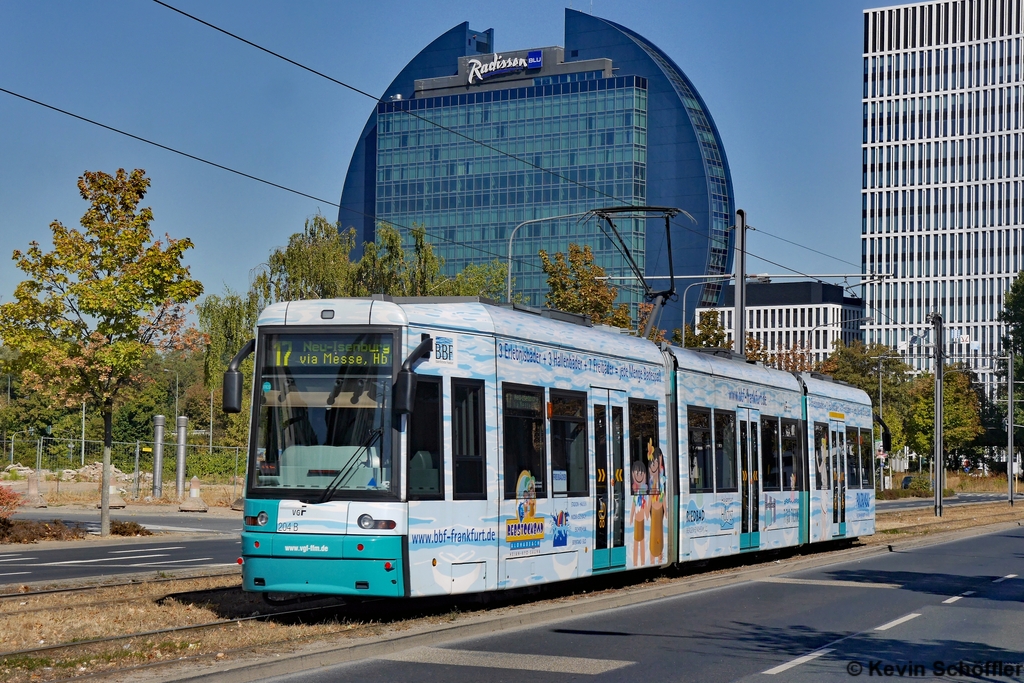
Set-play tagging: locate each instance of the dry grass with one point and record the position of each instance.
(903, 523)
(968, 484)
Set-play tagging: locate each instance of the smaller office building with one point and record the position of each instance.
(806, 316)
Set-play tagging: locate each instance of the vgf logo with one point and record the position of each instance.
(444, 350)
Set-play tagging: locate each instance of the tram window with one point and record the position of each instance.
(569, 455)
(524, 442)
(646, 462)
(725, 451)
(701, 452)
(468, 430)
(867, 462)
(821, 455)
(792, 456)
(425, 456)
(852, 459)
(771, 479)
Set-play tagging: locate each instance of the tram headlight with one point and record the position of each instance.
(367, 522)
(259, 520)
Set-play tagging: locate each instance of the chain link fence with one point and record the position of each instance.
(72, 458)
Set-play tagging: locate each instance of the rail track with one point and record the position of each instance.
(99, 586)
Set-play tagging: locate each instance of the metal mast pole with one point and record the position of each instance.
(1010, 423)
(940, 466)
(740, 288)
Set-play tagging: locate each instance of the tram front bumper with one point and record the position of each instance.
(322, 563)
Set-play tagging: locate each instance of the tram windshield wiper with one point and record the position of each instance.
(340, 477)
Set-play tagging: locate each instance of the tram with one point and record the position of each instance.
(433, 446)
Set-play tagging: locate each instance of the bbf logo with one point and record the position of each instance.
(444, 350)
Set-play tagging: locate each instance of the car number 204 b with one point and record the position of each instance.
(287, 526)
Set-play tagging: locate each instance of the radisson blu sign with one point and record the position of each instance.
(482, 70)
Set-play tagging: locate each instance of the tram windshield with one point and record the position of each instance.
(324, 415)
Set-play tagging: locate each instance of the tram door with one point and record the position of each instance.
(748, 422)
(837, 463)
(610, 494)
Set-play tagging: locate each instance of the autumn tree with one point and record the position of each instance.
(961, 412)
(576, 285)
(100, 303)
(756, 351)
(710, 332)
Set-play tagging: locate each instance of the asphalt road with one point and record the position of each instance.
(958, 499)
(931, 607)
(210, 522)
(25, 563)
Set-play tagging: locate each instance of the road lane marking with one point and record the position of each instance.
(147, 550)
(160, 527)
(18, 559)
(101, 559)
(14, 573)
(953, 599)
(897, 622)
(154, 564)
(827, 582)
(796, 662)
(1008, 576)
(501, 660)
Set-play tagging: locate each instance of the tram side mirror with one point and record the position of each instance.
(232, 402)
(405, 385)
(405, 392)
(886, 441)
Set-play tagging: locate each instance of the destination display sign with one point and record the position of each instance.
(330, 350)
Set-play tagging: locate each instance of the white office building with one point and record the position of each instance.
(942, 172)
(807, 315)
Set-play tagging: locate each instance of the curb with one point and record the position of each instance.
(332, 654)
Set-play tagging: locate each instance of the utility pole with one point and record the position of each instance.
(940, 466)
(83, 433)
(1010, 423)
(740, 288)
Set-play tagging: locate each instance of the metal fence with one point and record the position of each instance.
(134, 458)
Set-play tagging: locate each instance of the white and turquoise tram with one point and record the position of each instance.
(434, 446)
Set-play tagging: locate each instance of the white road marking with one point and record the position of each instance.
(897, 622)
(154, 564)
(18, 559)
(148, 550)
(502, 660)
(160, 527)
(826, 582)
(14, 573)
(1008, 576)
(101, 559)
(796, 662)
(953, 599)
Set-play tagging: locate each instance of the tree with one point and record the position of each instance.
(709, 334)
(858, 365)
(575, 286)
(961, 419)
(314, 265)
(95, 307)
(756, 351)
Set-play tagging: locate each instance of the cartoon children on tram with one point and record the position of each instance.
(648, 482)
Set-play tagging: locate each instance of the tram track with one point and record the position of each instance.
(100, 586)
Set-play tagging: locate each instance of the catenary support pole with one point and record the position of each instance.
(940, 466)
(1010, 423)
(740, 288)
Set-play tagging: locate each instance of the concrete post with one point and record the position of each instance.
(158, 456)
(194, 502)
(179, 479)
(34, 499)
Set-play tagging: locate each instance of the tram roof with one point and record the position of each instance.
(733, 368)
(836, 390)
(464, 314)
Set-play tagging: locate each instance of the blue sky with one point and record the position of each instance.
(782, 81)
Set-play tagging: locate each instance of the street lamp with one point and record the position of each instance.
(686, 290)
(175, 391)
(30, 430)
(508, 264)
